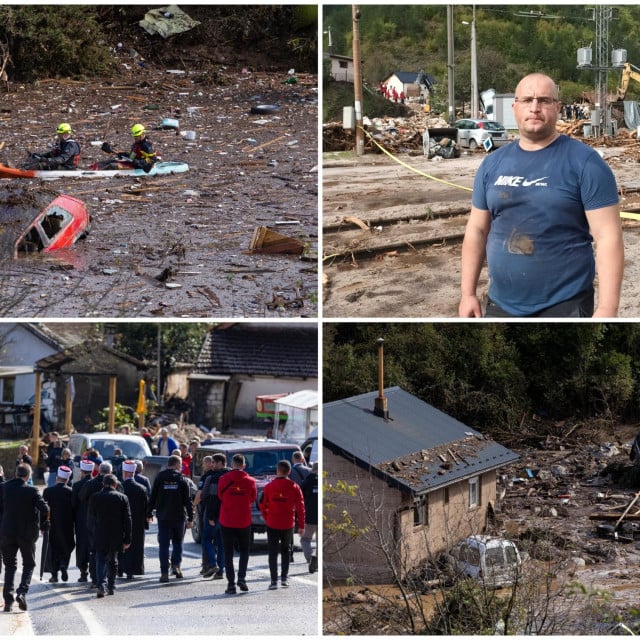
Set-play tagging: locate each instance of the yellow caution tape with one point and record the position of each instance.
(623, 214)
(408, 166)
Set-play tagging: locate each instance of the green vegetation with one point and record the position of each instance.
(77, 41)
(512, 41)
(491, 376)
(340, 94)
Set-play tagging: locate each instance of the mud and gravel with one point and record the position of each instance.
(178, 245)
(405, 261)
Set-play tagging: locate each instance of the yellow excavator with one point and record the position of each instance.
(629, 72)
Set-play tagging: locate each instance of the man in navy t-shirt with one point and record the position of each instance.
(537, 206)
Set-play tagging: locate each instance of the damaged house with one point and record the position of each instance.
(423, 482)
(240, 361)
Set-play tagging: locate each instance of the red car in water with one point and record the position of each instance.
(58, 226)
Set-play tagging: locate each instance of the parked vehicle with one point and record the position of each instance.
(493, 561)
(133, 447)
(472, 133)
(311, 441)
(261, 459)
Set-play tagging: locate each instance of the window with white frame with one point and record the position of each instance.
(474, 492)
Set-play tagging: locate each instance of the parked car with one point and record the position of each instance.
(133, 447)
(261, 459)
(472, 132)
(493, 561)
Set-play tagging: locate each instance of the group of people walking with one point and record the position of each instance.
(105, 521)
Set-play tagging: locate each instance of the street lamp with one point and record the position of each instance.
(474, 65)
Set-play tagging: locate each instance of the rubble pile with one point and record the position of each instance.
(397, 135)
(552, 499)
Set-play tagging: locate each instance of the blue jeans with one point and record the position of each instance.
(212, 542)
(106, 569)
(170, 532)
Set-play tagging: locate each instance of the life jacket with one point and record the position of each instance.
(143, 150)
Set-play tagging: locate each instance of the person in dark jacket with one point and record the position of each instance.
(132, 561)
(94, 486)
(110, 516)
(80, 509)
(64, 155)
(310, 494)
(141, 479)
(237, 492)
(171, 500)
(54, 456)
(281, 504)
(61, 533)
(23, 512)
(211, 530)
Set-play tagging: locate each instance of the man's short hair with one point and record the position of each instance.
(238, 460)
(109, 480)
(220, 457)
(207, 459)
(139, 466)
(105, 468)
(23, 470)
(174, 462)
(284, 466)
(297, 456)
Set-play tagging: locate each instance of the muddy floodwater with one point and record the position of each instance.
(176, 245)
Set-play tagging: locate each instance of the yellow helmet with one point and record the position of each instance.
(64, 128)
(137, 130)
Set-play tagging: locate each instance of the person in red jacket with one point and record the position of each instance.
(237, 492)
(281, 502)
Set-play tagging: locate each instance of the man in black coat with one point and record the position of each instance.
(171, 499)
(22, 512)
(92, 487)
(132, 561)
(80, 510)
(61, 534)
(110, 516)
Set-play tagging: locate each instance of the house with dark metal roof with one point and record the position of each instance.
(241, 361)
(423, 479)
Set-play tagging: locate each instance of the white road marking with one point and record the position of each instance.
(93, 626)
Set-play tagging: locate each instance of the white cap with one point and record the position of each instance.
(129, 466)
(86, 465)
(64, 472)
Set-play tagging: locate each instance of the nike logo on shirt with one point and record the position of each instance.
(518, 181)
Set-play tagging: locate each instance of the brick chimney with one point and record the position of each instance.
(380, 406)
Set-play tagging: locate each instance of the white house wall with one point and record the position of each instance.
(245, 409)
(20, 347)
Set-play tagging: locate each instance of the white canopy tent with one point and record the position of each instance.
(302, 415)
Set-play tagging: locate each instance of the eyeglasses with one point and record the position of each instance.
(543, 101)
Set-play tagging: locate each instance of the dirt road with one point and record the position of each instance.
(407, 264)
(175, 246)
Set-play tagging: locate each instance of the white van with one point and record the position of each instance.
(493, 561)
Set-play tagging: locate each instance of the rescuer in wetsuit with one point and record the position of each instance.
(64, 155)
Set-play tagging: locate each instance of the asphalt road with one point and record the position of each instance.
(192, 606)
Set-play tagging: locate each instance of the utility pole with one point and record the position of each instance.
(474, 67)
(357, 80)
(450, 65)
